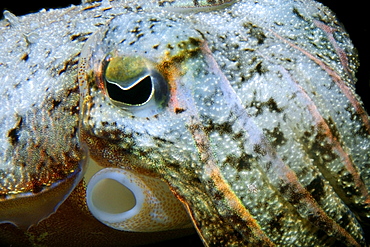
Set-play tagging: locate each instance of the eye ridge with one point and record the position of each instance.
(138, 94)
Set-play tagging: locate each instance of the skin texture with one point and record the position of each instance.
(185, 62)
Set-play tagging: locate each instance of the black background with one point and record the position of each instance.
(353, 14)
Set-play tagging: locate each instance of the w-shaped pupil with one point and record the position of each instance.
(137, 95)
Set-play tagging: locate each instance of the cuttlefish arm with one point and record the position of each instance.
(230, 208)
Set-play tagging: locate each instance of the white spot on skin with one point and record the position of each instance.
(252, 188)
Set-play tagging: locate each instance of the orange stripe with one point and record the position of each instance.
(319, 121)
(213, 172)
(283, 178)
(336, 78)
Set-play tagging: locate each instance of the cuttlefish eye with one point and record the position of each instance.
(134, 84)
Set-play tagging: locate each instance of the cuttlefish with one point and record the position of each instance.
(234, 119)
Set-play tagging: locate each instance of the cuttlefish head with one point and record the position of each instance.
(140, 114)
(167, 101)
(138, 88)
(149, 106)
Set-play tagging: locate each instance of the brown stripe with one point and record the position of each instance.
(332, 141)
(280, 175)
(340, 52)
(248, 226)
(336, 78)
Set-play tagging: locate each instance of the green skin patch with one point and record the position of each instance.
(123, 71)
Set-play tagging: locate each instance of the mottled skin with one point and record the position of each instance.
(261, 135)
